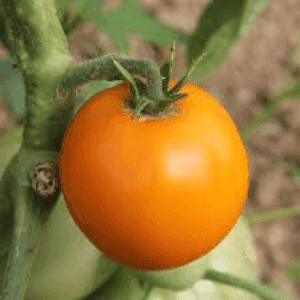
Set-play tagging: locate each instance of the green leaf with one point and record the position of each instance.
(131, 17)
(295, 172)
(81, 4)
(12, 86)
(219, 28)
(293, 270)
(62, 7)
(89, 9)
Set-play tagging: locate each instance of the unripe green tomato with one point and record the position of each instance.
(67, 266)
(179, 278)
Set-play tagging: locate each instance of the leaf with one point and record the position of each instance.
(295, 172)
(62, 7)
(219, 28)
(12, 86)
(80, 4)
(131, 17)
(293, 270)
(88, 9)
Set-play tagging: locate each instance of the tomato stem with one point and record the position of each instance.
(104, 68)
(252, 287)
(274, 215)
(149, 82)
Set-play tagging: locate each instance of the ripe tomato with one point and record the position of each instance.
(154, 193)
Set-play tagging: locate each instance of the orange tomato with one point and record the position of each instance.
(154, 193)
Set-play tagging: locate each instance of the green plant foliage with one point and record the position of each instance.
(219, 28)
(12, 86)
(131, 17)
(293, 270)
(62, 7)
(294, 169)
(89, 10)
(119, 22)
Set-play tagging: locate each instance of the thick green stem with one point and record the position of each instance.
(103, 68)
(38, 42)
(28, 211)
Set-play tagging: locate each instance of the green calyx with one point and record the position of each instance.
(149, 101)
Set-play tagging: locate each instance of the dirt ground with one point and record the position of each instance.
(256, 69)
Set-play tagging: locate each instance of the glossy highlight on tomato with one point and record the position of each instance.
(154, 193)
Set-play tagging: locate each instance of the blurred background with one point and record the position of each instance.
(266, 60)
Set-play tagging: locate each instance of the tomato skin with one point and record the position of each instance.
(154, 193)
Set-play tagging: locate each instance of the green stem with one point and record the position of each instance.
(275, 215)
(40, 46)
(28, 212)
(103, 68)
(292, 91)
(37, 41)
(253, 287)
